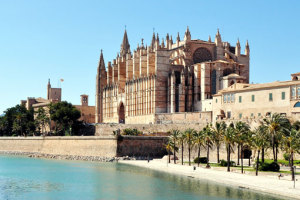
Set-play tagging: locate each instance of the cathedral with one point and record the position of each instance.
(167, 78)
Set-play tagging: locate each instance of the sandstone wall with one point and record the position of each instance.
(142, 146)
(81, 146)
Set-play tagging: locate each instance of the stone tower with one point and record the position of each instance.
(100, 83)
(48, 89)
(84, 100)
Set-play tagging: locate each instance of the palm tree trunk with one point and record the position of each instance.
(174, 152)
(228, 158)
(238, 156)
(218, 153)
(182, 153)
(273, 147)
(207, 164)
(292, 168)
(276, 148)
(249, 163)
(169, 156)
(263, 155)
(199, 146)
(257, 162)
(189, 154)
(242, 158)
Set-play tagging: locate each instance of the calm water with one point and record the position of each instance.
(27, 178)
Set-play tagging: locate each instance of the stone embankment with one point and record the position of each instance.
(66, 157)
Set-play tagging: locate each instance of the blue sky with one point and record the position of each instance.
(55, 39)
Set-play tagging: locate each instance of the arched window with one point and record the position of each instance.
(297, 105)
(201, 55)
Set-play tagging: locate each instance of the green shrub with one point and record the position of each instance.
(286, 156)
(224, 163)
(200, 160)
(273, 166)
(129, 131)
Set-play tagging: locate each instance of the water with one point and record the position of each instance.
(28, 178)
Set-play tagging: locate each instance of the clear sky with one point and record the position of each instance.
(57, 39)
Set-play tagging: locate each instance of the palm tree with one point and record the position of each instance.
(175, 137)
(242, 137)
(229, 138)
(218, 136)
(189, 133)
(276, 125)
(169, 148)
(199, 141)
(42, 119)
(208, 140)
(258, 143)
(291, 145)
(181, 139)
(265, 139)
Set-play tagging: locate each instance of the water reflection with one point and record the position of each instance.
(25, 178)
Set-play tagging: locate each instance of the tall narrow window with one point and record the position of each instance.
(283, 95)
(293, 92)
(253, 98)
(270, 97)
(240, 115)
(240, 99)
(298, 91)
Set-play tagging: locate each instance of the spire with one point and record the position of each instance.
(209, 38)
(162, 43)
(167, 41)
(101, 62)
(187, 35)
(157, 42)
(153, 41)
(171, 40)
(125, 46)
(218, 39)
(142, 43)
(238, 48)
(178, 39)
(247, 49)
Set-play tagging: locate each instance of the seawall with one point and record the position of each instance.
(86, 146)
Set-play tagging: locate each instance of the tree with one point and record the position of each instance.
(17, 121)
(199, 141)
(218, 136)
(291, 144)
(181, 139)
(242, 136)
(276, 125)
(169, 148)
(65, 115)
(258, 143)
(208, 141)
(229, 139)
(175, 134)
(42, 119)
(189, 133)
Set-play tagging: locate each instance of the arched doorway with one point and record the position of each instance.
(121, 113)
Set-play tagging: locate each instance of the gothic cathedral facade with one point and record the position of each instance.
(166, 78)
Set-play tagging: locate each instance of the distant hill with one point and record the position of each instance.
(2, 115)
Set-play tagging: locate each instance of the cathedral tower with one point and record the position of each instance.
(100, 83)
